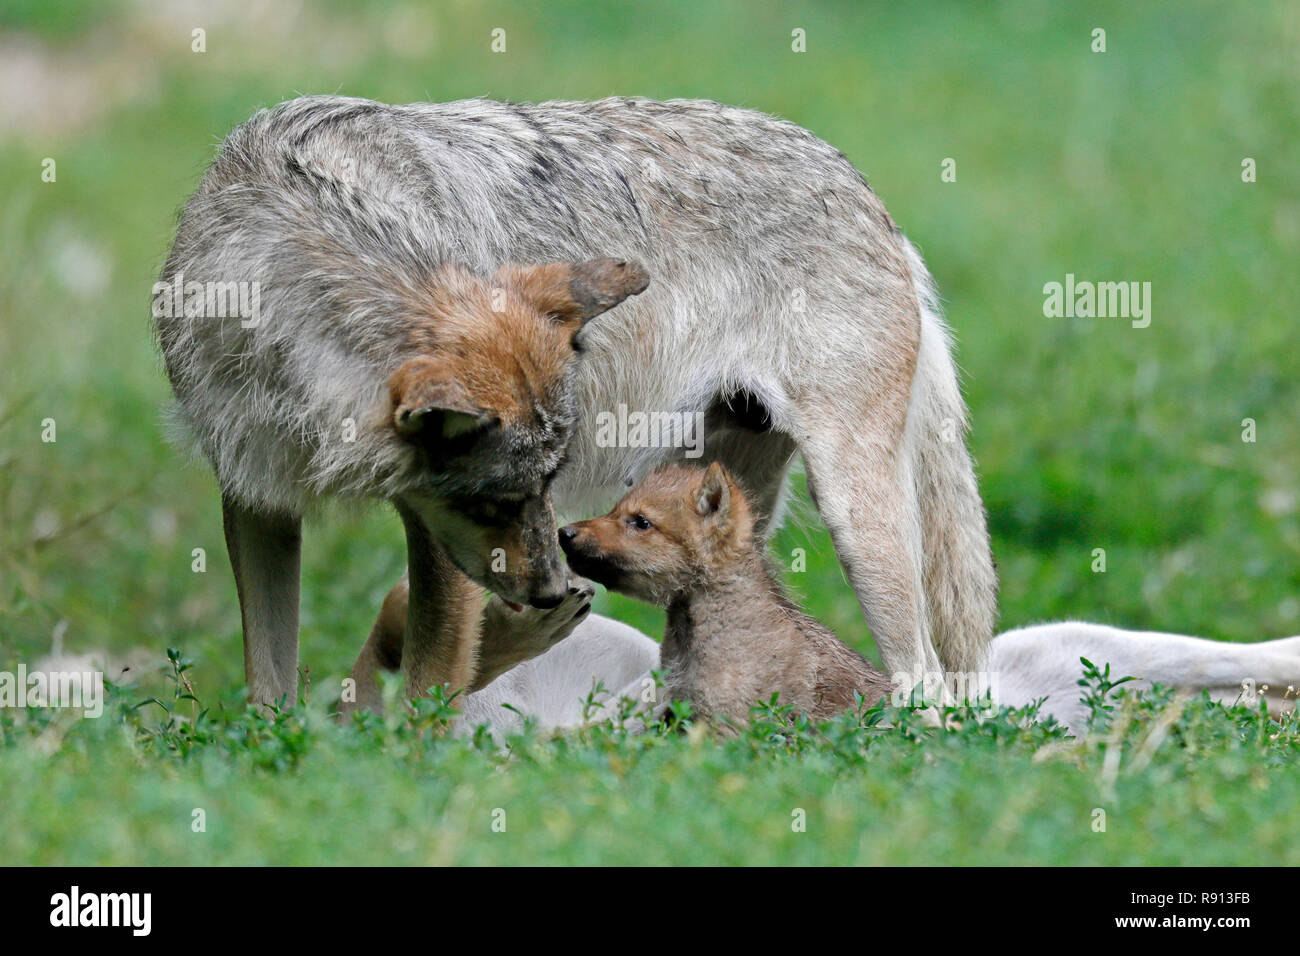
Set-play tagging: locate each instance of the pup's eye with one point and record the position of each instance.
(640, 522)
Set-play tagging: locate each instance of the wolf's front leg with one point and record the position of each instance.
(441, 635)
(265, 551)
(434, 628)
(505, 640)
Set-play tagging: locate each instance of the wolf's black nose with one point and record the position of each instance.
(568, 533)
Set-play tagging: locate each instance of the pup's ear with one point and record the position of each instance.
(429, 403)
(713, 497)
(576, 292)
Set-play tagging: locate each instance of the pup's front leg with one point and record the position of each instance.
(506, 639)
(511, 636)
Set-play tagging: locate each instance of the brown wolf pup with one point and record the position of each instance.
(685, 539)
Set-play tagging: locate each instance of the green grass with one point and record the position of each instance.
(1157, 780)
(1089, 433)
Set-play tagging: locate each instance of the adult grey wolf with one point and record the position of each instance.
(787, 308)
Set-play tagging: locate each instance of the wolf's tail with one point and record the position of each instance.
(960, 583)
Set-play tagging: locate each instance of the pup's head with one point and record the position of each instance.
(671, 533)
(488, 408)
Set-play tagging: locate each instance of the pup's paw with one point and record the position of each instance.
(532, 631)
(511, 637)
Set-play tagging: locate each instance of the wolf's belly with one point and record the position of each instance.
(634, 413)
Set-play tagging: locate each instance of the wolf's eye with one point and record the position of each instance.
(640, 522)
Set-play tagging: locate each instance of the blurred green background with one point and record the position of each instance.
(1122, 165)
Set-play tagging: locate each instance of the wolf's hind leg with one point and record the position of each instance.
(265, 554)
(860, 483)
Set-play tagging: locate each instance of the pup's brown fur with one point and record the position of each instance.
(684, 538)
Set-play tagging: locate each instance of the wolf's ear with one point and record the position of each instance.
(429, 403)
(576, 292)
(713, 497)
(598, 285)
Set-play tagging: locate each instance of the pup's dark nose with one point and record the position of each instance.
(545, 602)
(567, 534)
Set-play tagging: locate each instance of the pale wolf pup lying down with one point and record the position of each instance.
(685, 539)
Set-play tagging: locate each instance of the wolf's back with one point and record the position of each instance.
(339, 209)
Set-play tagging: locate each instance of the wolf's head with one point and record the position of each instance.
(673, 532)
(488, 405)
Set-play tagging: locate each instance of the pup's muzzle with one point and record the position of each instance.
(586, 558)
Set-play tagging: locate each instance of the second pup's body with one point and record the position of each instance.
(684, 538)
(1028, 664)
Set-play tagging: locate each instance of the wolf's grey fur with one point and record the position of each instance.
(777, 274)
